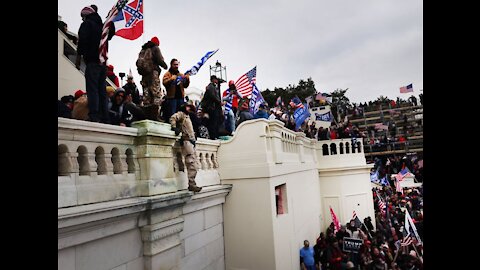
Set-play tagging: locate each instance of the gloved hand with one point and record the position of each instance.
(193, 142)
(177, 130)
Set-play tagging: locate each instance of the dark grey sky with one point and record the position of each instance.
(371, 47)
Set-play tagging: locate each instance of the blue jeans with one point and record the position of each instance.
(95, 76)
(173, 106)
(230, 121)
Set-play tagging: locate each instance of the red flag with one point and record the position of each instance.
(129, 21)
(335, 220)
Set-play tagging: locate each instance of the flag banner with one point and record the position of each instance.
(384, 181)
(244, 83)
(300, 114)
(129, 21)
(374, 177)
(194, 70)
(103, 46)
(406, 89)
(335, 221)
(402, 174)
(327, 117)
(352, 244)
(256, 100)
(409, 225)
(381, 205)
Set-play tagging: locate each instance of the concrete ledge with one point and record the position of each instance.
(73, 124)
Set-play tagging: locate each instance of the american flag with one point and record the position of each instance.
(296, 103)
(381, 205)
(244, 83)
(335, 220)
(103, 47)
(406, 89)
(404, 172)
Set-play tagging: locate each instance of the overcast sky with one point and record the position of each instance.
(371, 47)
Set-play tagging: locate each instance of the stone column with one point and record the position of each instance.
(155, 157)
(161, 230)
(276, 138)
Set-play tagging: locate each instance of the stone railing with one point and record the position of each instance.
(98, 162)
(340, 153)
(207, 163)
(260, 145)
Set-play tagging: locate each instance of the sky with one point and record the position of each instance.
(371, 47)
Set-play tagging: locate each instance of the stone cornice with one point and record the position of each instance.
(345, 170)
(168, 200)
(73, 124)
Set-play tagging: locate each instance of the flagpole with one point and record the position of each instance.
(144, 33)
(419, 256)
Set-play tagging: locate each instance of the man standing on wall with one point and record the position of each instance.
(181, 122)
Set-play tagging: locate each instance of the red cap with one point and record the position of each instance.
(155, 40)
(231, 82)
(79, 93)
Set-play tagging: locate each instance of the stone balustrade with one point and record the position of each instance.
(259, 142)
(98, 162)
(340, 153)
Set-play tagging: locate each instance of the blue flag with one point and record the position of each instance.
(384, 181)
(374, 177)
(256, 99)
(300, 114)
(194, 70)
(328, 117)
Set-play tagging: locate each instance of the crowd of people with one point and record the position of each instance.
(386, 246)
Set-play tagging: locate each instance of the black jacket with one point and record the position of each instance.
(89, 36)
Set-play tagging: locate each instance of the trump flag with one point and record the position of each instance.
(129, 21)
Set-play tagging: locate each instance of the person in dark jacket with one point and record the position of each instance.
(123, 111)
(131, 89)
(212, 104)
(261, 113)
(89, 35)
(65, 106)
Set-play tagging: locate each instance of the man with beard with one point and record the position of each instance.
(175, 83)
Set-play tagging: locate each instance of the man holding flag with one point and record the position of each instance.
(90, 38)
(175, 91)
(301, 112)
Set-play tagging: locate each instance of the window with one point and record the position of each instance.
(281, 199)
